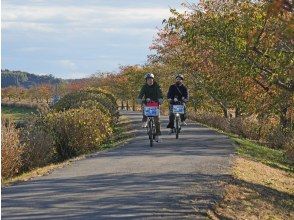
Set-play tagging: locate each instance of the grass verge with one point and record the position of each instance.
(260, 187)
(265, 155)
(256, 191)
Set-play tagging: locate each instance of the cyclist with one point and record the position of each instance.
(151, 91)
(177, 92)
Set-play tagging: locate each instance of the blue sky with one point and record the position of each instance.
(76, 38)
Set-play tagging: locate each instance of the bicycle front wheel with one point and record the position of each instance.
(150, 126)
(177, 127)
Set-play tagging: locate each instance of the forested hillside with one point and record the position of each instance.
(24, 79)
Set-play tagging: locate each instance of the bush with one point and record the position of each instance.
(278, 137)
(212, 120)
(77, 131)
(246, 127)
(265, 132)
(289, 148)
(77, 99)
(109, 95)
(11, 149)
(38, 145)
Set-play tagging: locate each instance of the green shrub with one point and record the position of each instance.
(109, 95)
(77, 99)
(77, 131)
(38, 145)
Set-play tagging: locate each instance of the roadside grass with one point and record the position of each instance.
(118, 139)
(261, 185)
(271, 157)
(17, 113)
(256, 191)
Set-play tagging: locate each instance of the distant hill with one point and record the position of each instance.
(24, 79)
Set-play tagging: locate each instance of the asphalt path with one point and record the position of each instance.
(175, 179)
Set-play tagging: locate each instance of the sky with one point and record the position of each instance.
(77, 38)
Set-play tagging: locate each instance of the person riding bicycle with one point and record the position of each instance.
(177, 92)
(151, 91)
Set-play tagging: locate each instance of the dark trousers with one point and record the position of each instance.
(172, 117)
(157, 123)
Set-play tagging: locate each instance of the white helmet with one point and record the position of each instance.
(149, 75)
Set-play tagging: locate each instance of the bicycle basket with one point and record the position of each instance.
(178, 109)
(151, 111)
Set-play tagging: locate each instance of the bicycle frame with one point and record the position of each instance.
(151, 131)
(151, 111)
(177, 113)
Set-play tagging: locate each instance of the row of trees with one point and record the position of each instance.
(235, 55)
(42, 92)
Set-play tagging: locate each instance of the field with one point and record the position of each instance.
(17, 113)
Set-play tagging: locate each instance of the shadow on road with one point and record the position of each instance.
(112, 196)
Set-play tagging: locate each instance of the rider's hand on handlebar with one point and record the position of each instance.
(160, 101)
(148, 100)
(175, 99)
(139, 101)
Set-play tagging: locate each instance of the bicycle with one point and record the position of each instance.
(178, 110)
(151, 110)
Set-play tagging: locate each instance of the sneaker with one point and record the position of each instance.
(157, 139)
(171, 131)
(183, 123)
(144, 125)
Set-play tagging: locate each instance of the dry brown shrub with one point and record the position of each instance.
(11, 149)
(247, 127)
(212, 120)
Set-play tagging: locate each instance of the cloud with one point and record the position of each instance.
(68, 64)
(63, 37)
(75, 18)
(27, 26)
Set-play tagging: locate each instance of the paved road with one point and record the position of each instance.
(176, 179)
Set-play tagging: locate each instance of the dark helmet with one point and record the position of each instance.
(180, 76)
(149, 75)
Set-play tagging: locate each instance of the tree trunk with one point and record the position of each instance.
(225, 111)
(237, 112)
(122, 105)
(284, 120)
(134, 105)
(128, 107)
